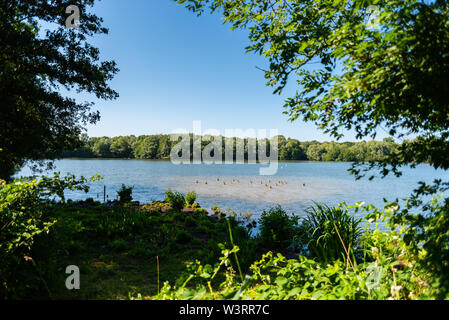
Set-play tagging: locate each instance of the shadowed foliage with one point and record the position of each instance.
(39, 56)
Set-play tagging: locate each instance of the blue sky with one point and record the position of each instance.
(176, 68)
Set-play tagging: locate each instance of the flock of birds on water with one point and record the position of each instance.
(268, 184)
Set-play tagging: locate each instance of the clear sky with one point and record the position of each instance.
(176, 68)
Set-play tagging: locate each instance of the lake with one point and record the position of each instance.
(239, 186)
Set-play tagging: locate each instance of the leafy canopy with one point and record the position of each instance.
(356, 68)
(40, 59)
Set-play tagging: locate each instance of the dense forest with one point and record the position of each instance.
(159, 146)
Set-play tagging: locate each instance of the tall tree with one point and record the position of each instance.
(37, 120)
(360, 65)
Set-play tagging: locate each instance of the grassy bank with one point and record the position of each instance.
(119, 249)
(174, 249)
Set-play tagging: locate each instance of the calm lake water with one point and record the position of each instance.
(240, 187)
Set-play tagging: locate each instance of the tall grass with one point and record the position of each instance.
(329, 233)
(235, 253)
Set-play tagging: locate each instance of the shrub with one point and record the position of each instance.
(200, 211)
(190, 221)
(175, 199)
(183, 237)
(277, 228)
(328, 232)
(21, 224)
(275, 277)
(390, 268)
(218, 211)
(119, 244)
(56, 185)
(125, 194)
(424, 221)
(191, 197)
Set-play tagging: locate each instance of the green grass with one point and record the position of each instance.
(117, 249)
(126, 252)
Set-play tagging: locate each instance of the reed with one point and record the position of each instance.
(329, 233)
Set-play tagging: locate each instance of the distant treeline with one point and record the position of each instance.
(159, 146)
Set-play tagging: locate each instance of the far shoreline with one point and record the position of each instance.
(168, 160)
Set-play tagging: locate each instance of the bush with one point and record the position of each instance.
(183, 237)
(328, 232)
(125, 194)
(190, 221)
(56, 185)
(21, 224)
(191, 197)
(218, 211)
(388, 270)
(277, 228)
(119, 244)
(275, 277)
(175, 199)
(424, 220)
(200, 211)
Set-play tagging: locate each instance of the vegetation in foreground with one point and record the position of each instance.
(161, 250)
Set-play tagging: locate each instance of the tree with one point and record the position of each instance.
(292, 151)
(102, 148)
(315, 152)
(121, 148)
(147, 148)
(332, 152)
(83, 151)
(37, 121)
(164, 147)
(356, 71)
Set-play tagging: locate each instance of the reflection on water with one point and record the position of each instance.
(240, 187)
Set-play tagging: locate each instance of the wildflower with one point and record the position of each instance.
(395, 289)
